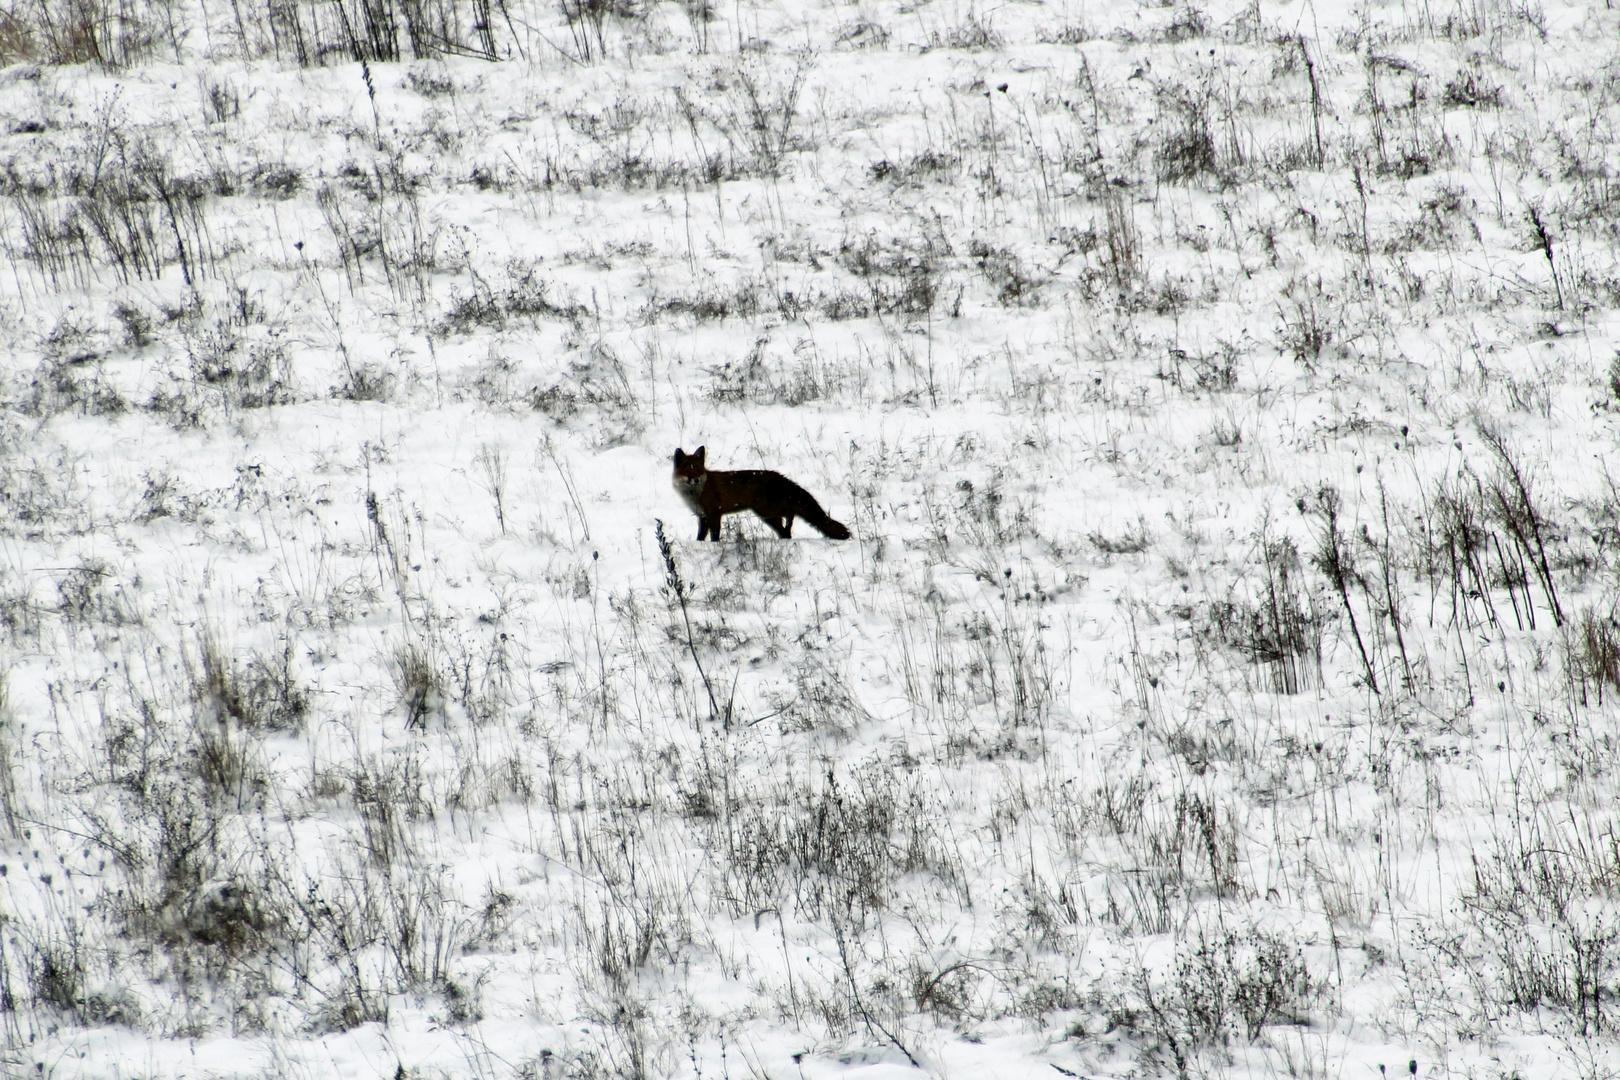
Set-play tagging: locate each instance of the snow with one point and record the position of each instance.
(355, 722)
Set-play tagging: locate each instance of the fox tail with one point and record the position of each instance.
(832, 530)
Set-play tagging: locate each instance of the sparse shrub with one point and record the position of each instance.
(137, 325)
(1071, 33)
(71, 379)
(390, 795)
(1460, 537)
(742, 301)
(1186, 23)
(479, 678)
(1009, 671)
(861, 34)
(225, 762)
(490, 468)
(984, 516)
(902, 276)
(618, 134)
(277, 181)
(929, 165)
(1336, 561)
(1279, 630)
(365, 382)
(1014, 285)
(1444, 219)
(143, 217)
(1122, 243)
(1166, 297)
(617, 945)
(263, 696)
(10, 799)
(242, 372)
(1185, 846)
(946, 993)
(376, 217)
(973, 31)
(59, 978)
(1285, 634)
(792, 382)
(462, 1001)
(72, 342)
(1215, 372)
(834, 852)
(587, 23)
(234, 917)
(594, 387)
(1542, 894)
(221, 101)
(182, 411)
(430, 80)
(1130, 542)
(1469, 90)
(419, 684)
(16, 39)
(1512, 502)
(377, 928)
(55, 238)
(741, 380)
(374, 31)
(352, 1002)
(199, 902)
(822, 698)
(116, 33)
(1305, 331)
(1595, 652)
(678, 594)
(21, 616)
(85, 598)
(494, 919)
(524, 295)
(756, 108)
(1187, 152)
(43, 497)
(1222, 989)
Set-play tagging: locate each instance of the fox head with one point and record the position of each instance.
(690, 465)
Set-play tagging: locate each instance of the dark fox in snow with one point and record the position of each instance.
(775, 498)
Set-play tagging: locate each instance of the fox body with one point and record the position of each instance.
(775, 498)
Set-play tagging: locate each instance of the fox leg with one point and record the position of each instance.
(780, 527)
(713, 525)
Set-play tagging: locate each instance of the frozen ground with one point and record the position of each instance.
(1221, 680)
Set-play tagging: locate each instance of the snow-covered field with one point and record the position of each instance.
(1222, 678)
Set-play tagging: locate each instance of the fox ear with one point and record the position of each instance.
(697, 455)
(679, 455)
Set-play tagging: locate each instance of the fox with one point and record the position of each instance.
(777, 500)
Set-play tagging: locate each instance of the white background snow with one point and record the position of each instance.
(1221, 679)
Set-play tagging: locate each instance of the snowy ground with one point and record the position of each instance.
(1221, 680)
